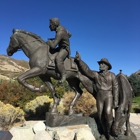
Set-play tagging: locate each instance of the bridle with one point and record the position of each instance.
(18, 47)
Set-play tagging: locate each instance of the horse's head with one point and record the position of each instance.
(13, 45)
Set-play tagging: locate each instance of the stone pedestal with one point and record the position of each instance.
(59, 120)
(5, 135)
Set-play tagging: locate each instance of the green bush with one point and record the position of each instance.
(17, 95)
(135, 109)
(134, 80)
(136, 105)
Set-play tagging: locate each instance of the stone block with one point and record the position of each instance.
(5, 135)
(39, 126)
(42, 135)
(64, 135)
(84, 134)
(22, 133)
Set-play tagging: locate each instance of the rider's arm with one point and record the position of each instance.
(57, 39)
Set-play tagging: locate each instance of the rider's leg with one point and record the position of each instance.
(60, 64)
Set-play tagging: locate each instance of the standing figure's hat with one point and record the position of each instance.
(104, 60)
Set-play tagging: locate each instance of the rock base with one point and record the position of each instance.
(59, 120)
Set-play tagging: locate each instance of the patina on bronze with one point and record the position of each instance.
(62, 40)
(112, 92)
(41, 61)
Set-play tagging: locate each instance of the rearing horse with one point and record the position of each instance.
(40, 56)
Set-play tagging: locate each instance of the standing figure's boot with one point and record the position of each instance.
(62, 72)
(109, 136)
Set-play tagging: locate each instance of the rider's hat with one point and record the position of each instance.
(104, 60)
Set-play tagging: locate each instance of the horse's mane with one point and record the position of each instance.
(31, 34)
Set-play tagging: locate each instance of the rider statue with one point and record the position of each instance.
(107, 91)
(62, 40)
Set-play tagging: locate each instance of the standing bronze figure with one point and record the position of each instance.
(107, 92)
(62, 40)
(112, 92)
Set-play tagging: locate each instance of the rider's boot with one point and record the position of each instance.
(63, 78)
(62, 72)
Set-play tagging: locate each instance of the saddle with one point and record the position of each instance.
(69, 63)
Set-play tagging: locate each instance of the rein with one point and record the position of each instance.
(20, 45)
(29, 42)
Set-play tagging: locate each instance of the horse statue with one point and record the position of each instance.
(42, 64)
(122, 113)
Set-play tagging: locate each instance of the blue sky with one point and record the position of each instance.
(99, 28)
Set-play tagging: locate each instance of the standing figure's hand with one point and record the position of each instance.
(115, 104)
(77, 56)
(49, 42)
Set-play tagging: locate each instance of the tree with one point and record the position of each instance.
(134, 80)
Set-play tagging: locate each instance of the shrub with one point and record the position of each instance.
(10, 116)
(17, 95)
(86, 104)
(38, 107)
(135, 109)
(134, 80)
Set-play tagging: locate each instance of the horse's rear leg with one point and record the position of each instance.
(74, 84)
(49, 84)
(36, 71)
(128, 129)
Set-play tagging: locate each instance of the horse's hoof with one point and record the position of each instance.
(71, 112)
(128, 133)
(42, 88)
(53, 110)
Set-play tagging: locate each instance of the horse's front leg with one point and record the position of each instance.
(49, 84)
(74, 84)
(29, 74)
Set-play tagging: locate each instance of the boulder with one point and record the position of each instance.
(64, 135)
(22, 133)
(84, 134)
(39, 126)
(42, 135)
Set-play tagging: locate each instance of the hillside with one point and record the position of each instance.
(11, 68)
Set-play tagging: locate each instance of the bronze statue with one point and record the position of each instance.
(62, 40)
(107, 91)
(41, 61)
(111, 91)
